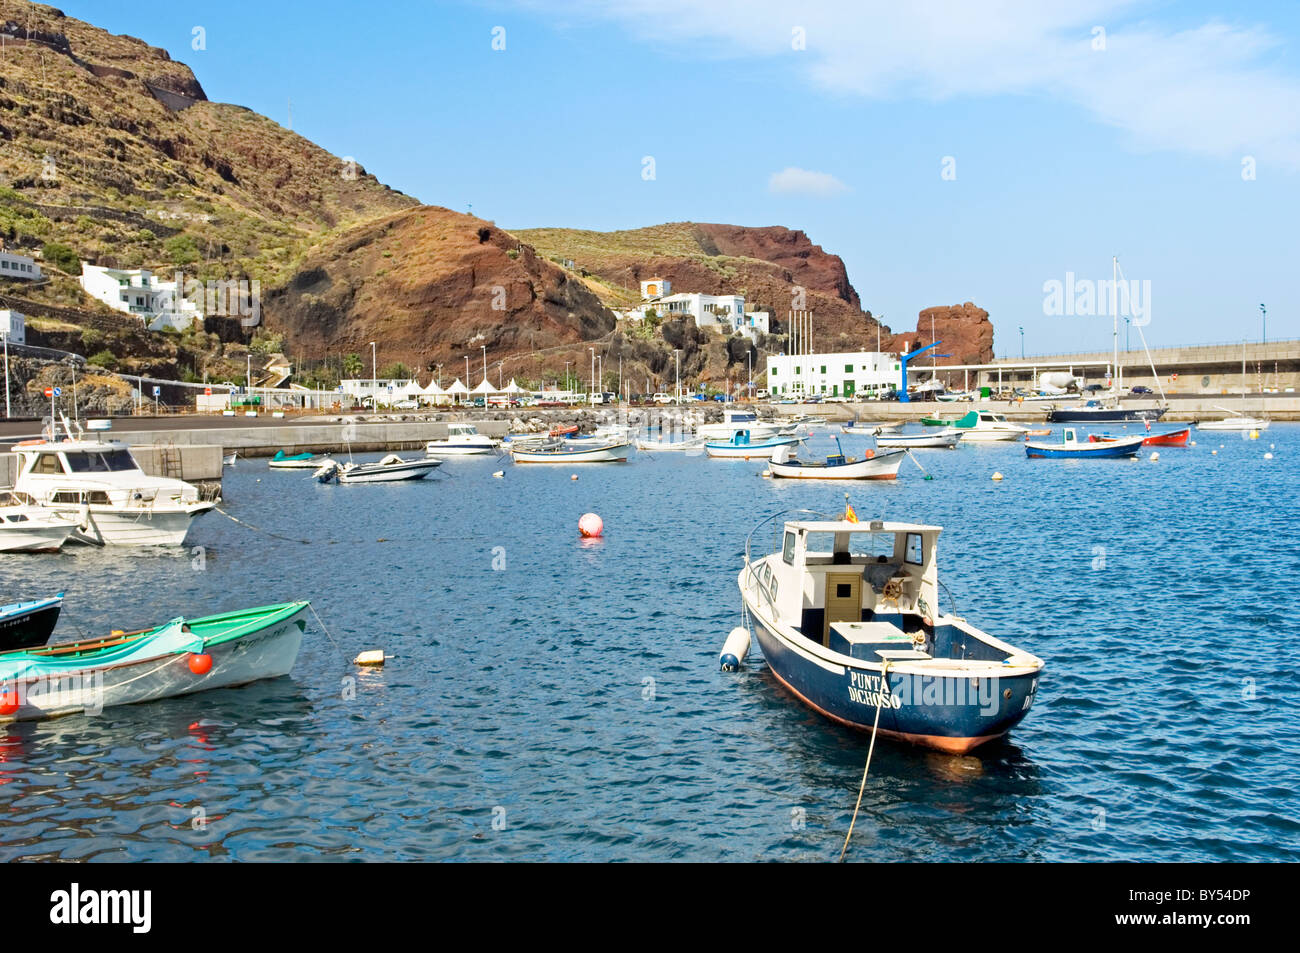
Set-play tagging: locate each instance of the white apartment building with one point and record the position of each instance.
(18, 266)
(833, 374)
(158, 304)
(723, 313)
(13, 327)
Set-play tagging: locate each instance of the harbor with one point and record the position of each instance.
(658, 716)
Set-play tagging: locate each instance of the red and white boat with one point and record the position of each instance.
(1170, 438)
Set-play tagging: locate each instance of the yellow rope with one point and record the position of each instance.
(880, 698)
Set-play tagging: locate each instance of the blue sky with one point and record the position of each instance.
(1065, 152)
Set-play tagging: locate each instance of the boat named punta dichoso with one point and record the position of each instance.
(846, 614)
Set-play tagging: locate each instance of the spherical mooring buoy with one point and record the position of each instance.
(590, 526)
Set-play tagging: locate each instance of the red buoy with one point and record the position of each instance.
(590, 526)
(8, 701)
(200, 663)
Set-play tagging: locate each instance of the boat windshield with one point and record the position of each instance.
(106, 461)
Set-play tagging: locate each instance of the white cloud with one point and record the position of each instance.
(795, 181)
(1208, 89)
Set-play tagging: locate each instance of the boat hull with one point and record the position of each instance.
(388, 473)
(113, 526)
(919, 441)
(1233, 424)
(30, 624)
(1079, 415)
(436, 449)
(1174, 438)
(882, 466)
(991, 436)
(943, 712)
(615, 453)
(35, 537)
(1085, 451)
(751, 451)
(269, 652)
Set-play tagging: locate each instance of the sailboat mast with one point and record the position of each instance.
(1114, 310)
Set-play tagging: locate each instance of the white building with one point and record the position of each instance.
(655, 288)
(159, 304)
(18, 266)
(723, 313)
(389, 391)
(833, 375)
(13, 327)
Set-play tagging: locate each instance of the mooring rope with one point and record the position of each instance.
(880, 699)
(324, 628)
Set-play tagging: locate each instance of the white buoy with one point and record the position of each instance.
(372, 657)
(1155, 456)
(1268, 456)
(1193, 443)
(499, 474)
(997, 475)
(1214, 453)
(734, 649)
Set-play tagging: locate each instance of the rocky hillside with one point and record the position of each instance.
(768, 265)
(112, 148)
(431, 286)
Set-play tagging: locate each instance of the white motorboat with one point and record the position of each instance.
(570, 451)
(985, 426)
(858, 428)
(27, 528)
(391, 469)
(100, 488)
(461, 440)
(873, 466)
(734, 419)
(297, 461)
(946, 438)
(741, 447)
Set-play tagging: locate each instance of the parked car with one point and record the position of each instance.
(1093, 388)
(662, 398)
(1140, 389)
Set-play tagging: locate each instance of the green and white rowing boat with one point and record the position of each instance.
(179, 657)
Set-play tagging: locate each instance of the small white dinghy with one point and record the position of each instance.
(947, 438)
(390, 469)
(874, 466)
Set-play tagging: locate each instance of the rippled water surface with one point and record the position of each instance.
(569, 705)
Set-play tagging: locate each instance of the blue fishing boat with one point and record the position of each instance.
(1071, 446)
(25, 624)
(742, 445)
(296, 461)
(847, 616)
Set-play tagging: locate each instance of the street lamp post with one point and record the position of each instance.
(6, 334)
(1022, 344)
(484, 347)
(591, 393)
(1263, 317)
(566, 375)
(374, 376)
(678, 355)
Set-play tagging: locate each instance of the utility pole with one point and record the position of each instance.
(1263, 317)
(6, 333)
(484, 348)
(591, 393)
(678, 355)
(1022, 343)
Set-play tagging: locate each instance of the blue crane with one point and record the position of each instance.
(903, 359)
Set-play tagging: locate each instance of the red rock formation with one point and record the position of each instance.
(964, 329)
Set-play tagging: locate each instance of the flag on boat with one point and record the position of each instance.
(849, 515)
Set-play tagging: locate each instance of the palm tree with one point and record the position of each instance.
(352, 365)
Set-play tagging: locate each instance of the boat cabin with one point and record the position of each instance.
(828, 572)
(98, 472)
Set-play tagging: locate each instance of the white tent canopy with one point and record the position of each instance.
(433, 390)
(513, 388)
(457, 388)
(485, 388)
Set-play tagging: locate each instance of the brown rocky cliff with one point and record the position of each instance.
(964, 329)
(432, 286)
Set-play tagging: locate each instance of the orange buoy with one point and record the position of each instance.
(590, 526)
(8, 701)
(200, 663)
